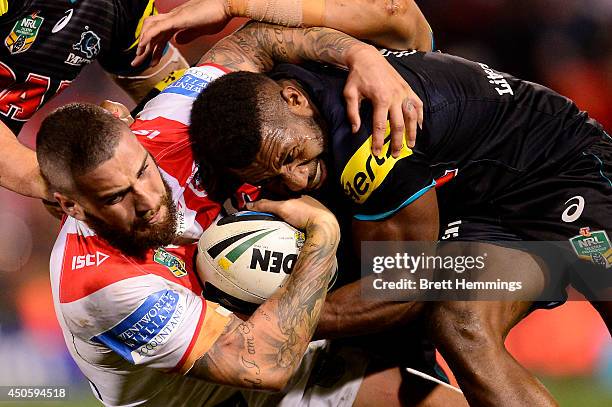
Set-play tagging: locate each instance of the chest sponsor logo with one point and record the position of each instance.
(593, 246)
(24, 34)
(87, 49)
(88, 260)
(364, 172)
(62, 22)
(142, 333)
(193, 81)
(173, 263)
(500, 84)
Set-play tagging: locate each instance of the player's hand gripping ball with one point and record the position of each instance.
(245, 257)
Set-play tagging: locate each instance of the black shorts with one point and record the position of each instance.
(568, 206)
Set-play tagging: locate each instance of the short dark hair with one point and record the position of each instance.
(74, 139)
(227, 120)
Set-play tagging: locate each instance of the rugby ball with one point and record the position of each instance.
(245, 257)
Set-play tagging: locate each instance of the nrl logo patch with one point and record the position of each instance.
(593, 246)
(300, 238)
(24, 34)
(174, 264)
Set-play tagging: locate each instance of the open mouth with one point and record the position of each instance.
(320, 175)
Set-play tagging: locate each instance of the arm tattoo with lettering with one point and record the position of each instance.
(273, 341)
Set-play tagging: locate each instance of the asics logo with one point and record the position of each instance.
(573, 212)
(62, 22)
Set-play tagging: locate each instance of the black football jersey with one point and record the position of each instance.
(45, 44)
(484, 133)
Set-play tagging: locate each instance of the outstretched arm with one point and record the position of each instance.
(19, 170)
(397, 24)
(256, 47)
(264, 352)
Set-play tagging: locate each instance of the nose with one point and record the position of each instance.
(145, 199)
(296, 178)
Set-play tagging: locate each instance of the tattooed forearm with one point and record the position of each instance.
(256, 47)
(299, 306)
(265, 351)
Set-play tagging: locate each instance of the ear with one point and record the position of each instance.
(70, 206)
(297, 100)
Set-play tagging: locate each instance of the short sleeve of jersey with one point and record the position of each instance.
(147, 321)
(130, 14)
(381, 186)
(149, 313)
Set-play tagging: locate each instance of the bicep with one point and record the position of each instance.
(417, 221)
(239, 51)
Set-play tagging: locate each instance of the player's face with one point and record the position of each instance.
(126, 201)
(290, 159)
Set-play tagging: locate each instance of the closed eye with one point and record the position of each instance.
(289, 159)
(142, 171)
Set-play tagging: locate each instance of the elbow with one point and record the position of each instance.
(276, 380)
(279, 385)
(412, 31)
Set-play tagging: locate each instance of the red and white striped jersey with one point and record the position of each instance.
(134, 326)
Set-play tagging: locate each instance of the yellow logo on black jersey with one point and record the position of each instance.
(149, 11)
(364, 172)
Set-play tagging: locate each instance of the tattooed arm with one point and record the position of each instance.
(256, 47)
(264, 351)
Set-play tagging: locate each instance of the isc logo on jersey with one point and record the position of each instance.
(88, 260)
(364, 172)
(144, 332)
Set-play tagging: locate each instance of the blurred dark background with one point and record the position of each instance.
(564, 44)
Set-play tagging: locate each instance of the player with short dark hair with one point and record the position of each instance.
(64, 150)
(136, 315)
(129, 302)
(500, 161)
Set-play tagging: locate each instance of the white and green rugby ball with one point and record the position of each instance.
(245, 257)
